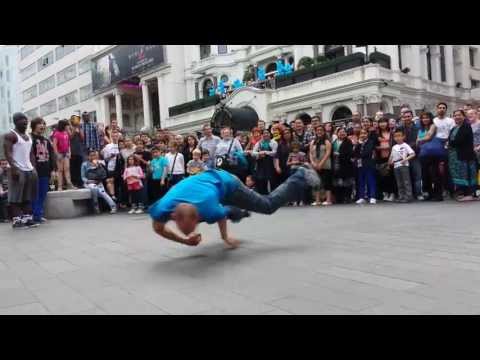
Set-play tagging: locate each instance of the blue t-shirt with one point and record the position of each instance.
(158, 165)
(205, 191)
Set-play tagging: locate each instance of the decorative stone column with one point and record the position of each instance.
(396, 106)
(162, 101)
(374, 102)
(147, 113)
(360, 103)
(435, 60)
(118, 107)
(449, 65)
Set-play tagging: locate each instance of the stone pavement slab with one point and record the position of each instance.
(420, 258)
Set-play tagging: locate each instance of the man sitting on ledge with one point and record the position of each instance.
(215, 196)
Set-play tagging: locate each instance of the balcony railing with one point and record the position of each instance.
(193, 105)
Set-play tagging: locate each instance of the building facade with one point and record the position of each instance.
(138, 85)
(10, 100)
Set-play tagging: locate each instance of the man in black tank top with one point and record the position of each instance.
(22, 177)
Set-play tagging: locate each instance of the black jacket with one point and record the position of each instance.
(365, 152)
(463, 142)
(45, 161)
(411, 134)
(345, 155)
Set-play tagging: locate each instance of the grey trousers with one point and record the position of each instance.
(404, 184)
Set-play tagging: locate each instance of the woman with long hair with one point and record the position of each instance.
(385, 178)
(191, 143)
(461, 158)
(61, 146)
(473, 118)
(320, 158)
(430, 162)
(283, 151)
(343, 173)
(264, 152)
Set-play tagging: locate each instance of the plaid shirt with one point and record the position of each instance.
(92, 138)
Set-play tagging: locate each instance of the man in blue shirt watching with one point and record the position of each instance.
(215, 196)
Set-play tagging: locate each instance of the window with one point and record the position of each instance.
(9, 107)
(8, 75)
(205, 51)
(429, 63)
(26, 50)
(8, 93)
(443, 72)
(85, 92)
(29, 71)
(1, 74)
(6, 60)
(30, 93)
(47, 84)
(472, 53)
(475, 83)
(224, 78)
(68, 100)
(2, 93)
(63, 50)
(222, 49)
(399, 49)
(33, 113)
(66, 74)
(45, 61)
(84, 66)
(48, 108)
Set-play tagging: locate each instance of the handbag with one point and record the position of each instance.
(97, 174)
(435, 148)
(224, 162)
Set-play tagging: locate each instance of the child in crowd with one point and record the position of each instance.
(133, 176)
(196, 165)
(61, 145)
(205, 157)
(159, 171)
(296, 158)
(364, 155)
(3, 191)
(94, 172)
(250, 182)
(401, 154)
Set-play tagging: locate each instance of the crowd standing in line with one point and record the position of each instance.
(365, 160)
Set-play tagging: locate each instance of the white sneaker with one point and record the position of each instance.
(139, 211)
(389, 198)
(360, 201)
(113, 211)
(373, 201)
(132, 211)
(420, 198)
(477, 193)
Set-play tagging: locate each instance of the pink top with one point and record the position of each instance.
(135, 171)
(63, 141)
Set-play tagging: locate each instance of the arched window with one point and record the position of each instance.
(205, 51)
(224, 78)
(271, 67)
(207, 84)
(341, 113)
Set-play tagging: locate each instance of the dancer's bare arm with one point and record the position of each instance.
(163, 230)
(222, 226)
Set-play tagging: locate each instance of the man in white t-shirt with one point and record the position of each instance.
(443, 123)
(110, 153)
(399, 157)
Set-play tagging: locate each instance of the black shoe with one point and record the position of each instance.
(31, 224)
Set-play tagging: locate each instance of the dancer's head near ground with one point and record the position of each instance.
(186, 217)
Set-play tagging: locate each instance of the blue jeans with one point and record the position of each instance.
(366, 177)
(416, 175)
(39, 202)
(247, 199)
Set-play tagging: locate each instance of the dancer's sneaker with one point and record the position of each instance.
(139, 211)
(18, 224)
(132, 211)
(360, 201)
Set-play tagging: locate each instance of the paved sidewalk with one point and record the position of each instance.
(421, 258)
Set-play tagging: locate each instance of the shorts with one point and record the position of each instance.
(24, 189)
(326, 177)
(62, 156)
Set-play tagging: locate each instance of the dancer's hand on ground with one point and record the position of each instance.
(231, 243)
(193, 239)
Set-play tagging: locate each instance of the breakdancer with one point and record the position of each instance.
(215, 196)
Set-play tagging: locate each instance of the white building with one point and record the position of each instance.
(56, 81)
(10, 101)
(144, 86)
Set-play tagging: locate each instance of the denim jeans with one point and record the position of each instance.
(416, 175)
(247, 199)
(404, 185)
(39, 202)
(99, 191)
(366, 178)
